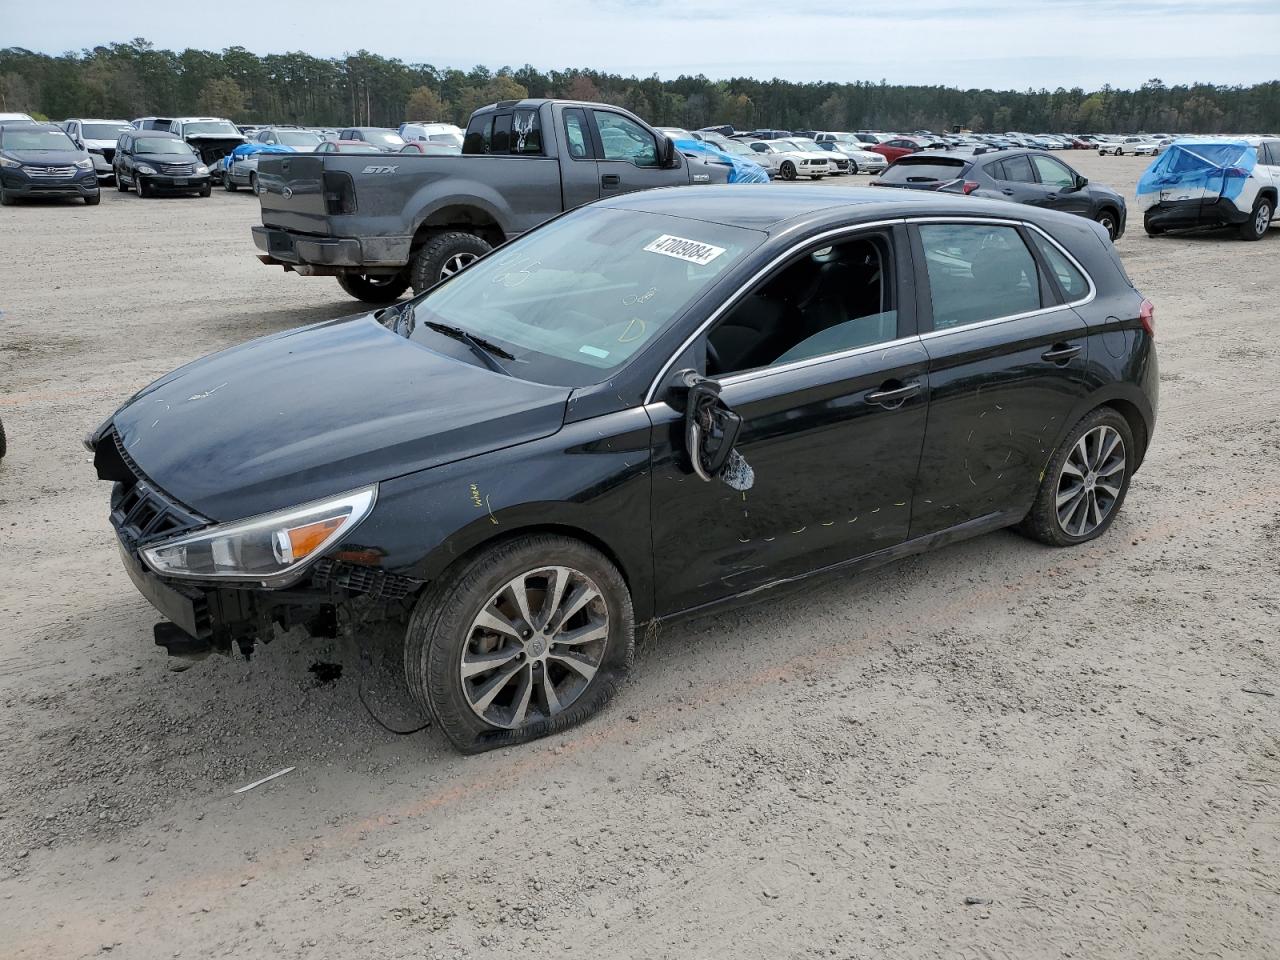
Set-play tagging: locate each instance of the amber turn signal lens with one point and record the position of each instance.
(303, 540)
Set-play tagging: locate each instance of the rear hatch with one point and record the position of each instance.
(923, 172)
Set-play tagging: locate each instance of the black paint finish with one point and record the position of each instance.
(464, 455)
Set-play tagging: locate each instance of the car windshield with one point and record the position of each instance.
(735, 146)
(574, 300)
(298, 138)
(449, 139)
(210, 128)
(805, 144)
(103, 131)
(384, 136)
(35, 139)
(162, 145)
(357, 148)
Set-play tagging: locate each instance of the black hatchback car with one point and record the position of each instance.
(154, 161)
(1032, 177)
(40, 160)
(650, 406)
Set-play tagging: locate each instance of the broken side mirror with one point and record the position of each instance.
(710, 427)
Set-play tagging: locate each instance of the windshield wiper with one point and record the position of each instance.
(484, 349)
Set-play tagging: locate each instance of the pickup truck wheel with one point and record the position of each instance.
(374, 289)
(526, 638)
(1259, 222)
(788, 171)
(444, 255)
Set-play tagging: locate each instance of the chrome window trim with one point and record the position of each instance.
(1009, 318)
(888, 344)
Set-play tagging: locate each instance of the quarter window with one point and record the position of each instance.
(479, 138)
(624, 139)
(978, 272)
(575, 131)
(1072, 281)
(526, 133)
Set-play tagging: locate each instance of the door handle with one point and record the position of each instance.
(1007, 192)
(610, 180)
(1060, 352)
(893, 397)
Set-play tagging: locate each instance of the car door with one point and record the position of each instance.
(1060, 190)
(831, 428)
(579, 171)
(1007, 365)
(628, 156)
(1016, 179)
(123, 161)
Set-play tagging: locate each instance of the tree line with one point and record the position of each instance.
(127, 80)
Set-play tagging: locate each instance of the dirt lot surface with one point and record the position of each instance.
(995, 752)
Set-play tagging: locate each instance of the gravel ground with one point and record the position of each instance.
(995, 752)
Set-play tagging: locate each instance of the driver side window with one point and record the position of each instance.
(830, 300)
(1052, 173)
(623, 139)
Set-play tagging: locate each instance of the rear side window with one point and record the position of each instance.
(479, 138)
(1017, 169)
(978, 272)
(1071, 280)
(575, 131)
(931, 170)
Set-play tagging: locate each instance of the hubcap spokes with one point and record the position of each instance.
(534, 647)
(1090, 482)
(1264, 219)
(456, 263)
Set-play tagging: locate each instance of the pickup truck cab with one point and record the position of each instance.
(381, 225)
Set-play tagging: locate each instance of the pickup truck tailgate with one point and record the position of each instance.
(292, 192)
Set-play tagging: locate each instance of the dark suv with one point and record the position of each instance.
(149, 161)
(1032, 177)
(40, 160)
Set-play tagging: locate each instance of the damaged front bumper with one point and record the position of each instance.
(203, 616)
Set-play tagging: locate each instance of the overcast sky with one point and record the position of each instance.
(965, 43)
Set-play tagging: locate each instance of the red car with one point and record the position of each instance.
(891, 150)
(346, 146)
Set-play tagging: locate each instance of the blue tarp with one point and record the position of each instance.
(1214, 167)
(247, 149)
(743, 170)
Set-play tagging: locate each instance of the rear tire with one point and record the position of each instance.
(227, 185)
(4, 442)
(1259, 222)
(445, 631)
(444, 255)
(1091, 474)
(374, 289)
(253, 184)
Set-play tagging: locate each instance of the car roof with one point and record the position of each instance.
(775, 208)
(161, 134)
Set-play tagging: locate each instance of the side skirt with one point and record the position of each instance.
(962, 531)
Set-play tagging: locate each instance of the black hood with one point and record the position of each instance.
(318, 411)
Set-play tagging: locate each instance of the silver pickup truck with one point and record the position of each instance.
(382, 223)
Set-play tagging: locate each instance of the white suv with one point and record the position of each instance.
(1213, 181)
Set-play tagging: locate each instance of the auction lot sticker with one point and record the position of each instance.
(691, 251)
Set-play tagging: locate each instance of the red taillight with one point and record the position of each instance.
(1147, 314)
(970, 186)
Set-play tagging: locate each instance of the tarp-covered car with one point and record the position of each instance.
(1212, 183)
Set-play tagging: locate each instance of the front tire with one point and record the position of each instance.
(121, 185)
(141, 185)
(93, 199)
(6, 200)
(1259, 222)
(1085, 482)
(444, 255)
(1110, 221)
(374, 289)
(227, 183)
(527, 638)
(206, 190)
(788, 171)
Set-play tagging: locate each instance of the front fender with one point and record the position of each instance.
(592, 480)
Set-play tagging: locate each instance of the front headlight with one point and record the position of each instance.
(201, 169)
(6, 162)
(271, 550)
(147, 169)
(85, 164)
